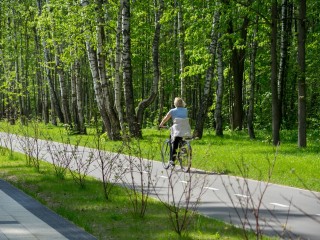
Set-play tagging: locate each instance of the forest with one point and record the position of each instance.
(238, 64)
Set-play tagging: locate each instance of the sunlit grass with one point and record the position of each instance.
(112, 219)
(293, 166)
(296, 167)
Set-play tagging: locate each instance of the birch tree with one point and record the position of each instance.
(106, 86)
(77, 103)
(181, 50)
(55, 106)
(64, 91)
(118, 80)
(285, 24)
(135, 119)
(274, 82)
(252, 79)
(207, 90)
(238, 56)
(302, 113)
(134, 128)
(220, 89)
(101, 83)
(158, 5)
(39, 90)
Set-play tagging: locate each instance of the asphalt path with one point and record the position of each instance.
(275, 210)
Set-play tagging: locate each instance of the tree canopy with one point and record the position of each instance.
(119, 64)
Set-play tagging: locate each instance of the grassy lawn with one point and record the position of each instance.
(233, 154)
(112, 219)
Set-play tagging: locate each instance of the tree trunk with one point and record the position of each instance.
(56, 110)
(134, 128)
(254, 47)
(100, 81)
(93, 62)
(207, 96)
(106, 86)
(283, 63)
(118, 80)
(274, 82)
(24, 97)
(156, 65)
(63, 88)
(10, 91)
(45, 105)
(79, 93)
(220, 89)
(17, 80)
(97, 88)
(38, 91)
(181, 51)
(53, 95)
(161, 101)
(74, 107)
(237, 66)
(302, 112)
(76, 99)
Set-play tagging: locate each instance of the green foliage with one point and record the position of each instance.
(66, 25)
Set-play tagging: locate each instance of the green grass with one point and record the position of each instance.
(293, 166)
(296, 167)
(112, 219)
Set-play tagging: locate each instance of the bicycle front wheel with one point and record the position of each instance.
(165, 153)
(185, 156)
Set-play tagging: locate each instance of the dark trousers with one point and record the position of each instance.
(173, 147)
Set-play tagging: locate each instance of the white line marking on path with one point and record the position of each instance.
(241, 195)
(184, 182)
(163, 176)
(279, 205)
(211, 188)
(145, 172)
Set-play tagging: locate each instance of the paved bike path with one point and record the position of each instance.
(24, 218)
(288, 212)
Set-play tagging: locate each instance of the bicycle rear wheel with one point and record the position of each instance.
(165, 153)
(185, 156)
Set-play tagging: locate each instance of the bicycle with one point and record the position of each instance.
(184, 154)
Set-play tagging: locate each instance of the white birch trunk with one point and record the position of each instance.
(55, 107)
(207, 98)
(252, 77)
(220, 88)
(181, 52)
(274, 82)
(282, 74)
(76, 99)
(156, 65)
(79, 94)
(302, 99)
(63, 88)
(96, 81)
(100, 82)
(134, 128)
(118, 80)
(105, 83)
